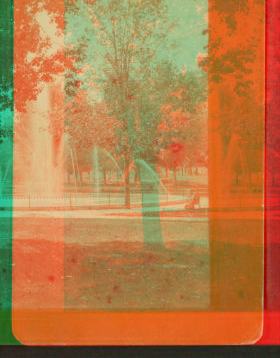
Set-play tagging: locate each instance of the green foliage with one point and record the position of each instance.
(242, 116)
(6, 71)
(235, 61)
(38, 59)
(231, 9)
(234, 57)
(124, 62)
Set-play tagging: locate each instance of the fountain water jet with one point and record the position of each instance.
(2, 182)
(148, 168)
(108, 154)
(45, 175)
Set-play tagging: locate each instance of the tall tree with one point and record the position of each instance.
(128, 42)
(236, 81)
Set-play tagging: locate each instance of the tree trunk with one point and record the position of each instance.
(174, 177)
(250, 179)
(152, 235)
(127, 184)
(232, 152)
(236, 178)
(136, 177)
(273, 179)
(104, 177)
(68, 177)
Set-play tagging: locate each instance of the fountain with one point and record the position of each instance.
(44, 174)
(96, 164)
(152, 234)
(148, 169)
(233, 152)
(74, 170)
(109, 155)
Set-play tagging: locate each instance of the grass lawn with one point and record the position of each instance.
(101, 264)
(116, 272)
(125, 276)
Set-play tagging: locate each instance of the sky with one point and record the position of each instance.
(192, 19)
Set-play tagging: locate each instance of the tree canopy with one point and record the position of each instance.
(124, 46)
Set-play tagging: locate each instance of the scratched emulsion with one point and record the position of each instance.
(135, 154)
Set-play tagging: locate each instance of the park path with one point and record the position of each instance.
(171, 213)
